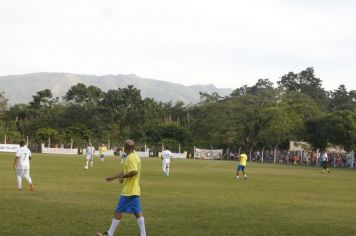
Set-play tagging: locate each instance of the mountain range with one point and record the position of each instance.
(21, 88)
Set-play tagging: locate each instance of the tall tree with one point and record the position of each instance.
(336, 128)
(342, 99)
(83, 95)
(3, 104)
(305, 82)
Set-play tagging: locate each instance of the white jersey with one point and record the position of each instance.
(166, 155)
(23, 154)
(90, 151)
(324, 156)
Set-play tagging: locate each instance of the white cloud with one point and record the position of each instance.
(227, 43)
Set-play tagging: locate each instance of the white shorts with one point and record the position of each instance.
(166, 162)
(22, 172)
(90, 158)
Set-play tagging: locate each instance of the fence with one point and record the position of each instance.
(335, 159)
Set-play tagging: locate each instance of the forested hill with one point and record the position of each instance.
(21, 88)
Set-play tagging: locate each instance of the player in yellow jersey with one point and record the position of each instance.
(129, 201)
(102, 150)
(242, 166)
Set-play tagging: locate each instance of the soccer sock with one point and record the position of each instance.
(19, 182)
(141, 225)
(28, 178)
(87, 164)
(113, 227)
(91, 163)
(167, 171)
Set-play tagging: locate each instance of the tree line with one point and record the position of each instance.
(251, 117)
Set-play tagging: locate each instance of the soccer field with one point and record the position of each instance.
(199, 198)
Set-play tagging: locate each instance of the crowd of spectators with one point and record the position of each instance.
(312, 158)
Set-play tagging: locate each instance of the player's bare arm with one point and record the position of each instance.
(130, 174)
(118, 176)
(121, 176)
(15, 163)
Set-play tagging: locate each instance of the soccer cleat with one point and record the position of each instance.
(32, 187)
(86, 167)
(102, 234)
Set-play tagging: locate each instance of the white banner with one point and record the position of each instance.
(208, 154)
(9, 147)
(66, 151)
(179, 155)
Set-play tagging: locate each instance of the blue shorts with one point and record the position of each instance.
(240, 167)
(129, 204)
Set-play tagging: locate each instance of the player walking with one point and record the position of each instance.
(166, 161)
(22, 166)
(129, 201)
(90, 156)
(242, 166)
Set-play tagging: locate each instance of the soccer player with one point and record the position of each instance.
(242, 166)
(325, 161)
(123, 157)
(90, 156)
(102, 149)
(166, 161)
(22, 166)
(129, 201)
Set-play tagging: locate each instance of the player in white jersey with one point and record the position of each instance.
(22, 166)
(166, 160)
(325, 161)
(90, 156)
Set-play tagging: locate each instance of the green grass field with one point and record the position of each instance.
(199, 198)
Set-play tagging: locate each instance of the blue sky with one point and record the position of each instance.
(228, 43)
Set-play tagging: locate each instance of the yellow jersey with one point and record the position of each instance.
(102, 149)
(132, 184)
(243, 160)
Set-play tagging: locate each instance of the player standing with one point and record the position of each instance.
(90, 156)
(129, 201)
(166, 161)
(325, 161)
(242, 166)
(22, 166)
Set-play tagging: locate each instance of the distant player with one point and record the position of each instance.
(22, 166)
(102, 150)
(123, 157)
(166, 161)
(129, 201)
(90, 156)
(325, 162)
(242, 166)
